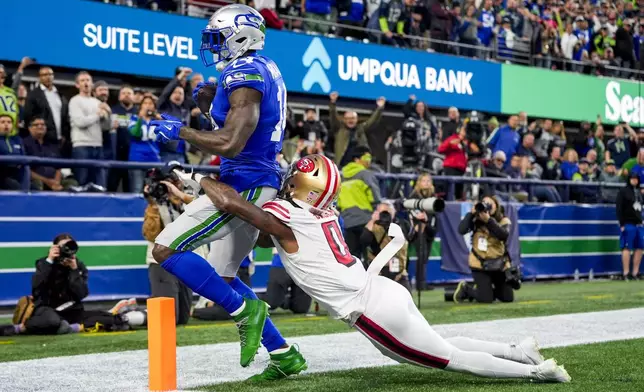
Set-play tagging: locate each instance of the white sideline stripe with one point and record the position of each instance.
(68, 219)
(567, 222)
(559, 238)
(216, 363)
(80, 243)
(570, 254)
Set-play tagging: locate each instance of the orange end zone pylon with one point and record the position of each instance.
(162, 344)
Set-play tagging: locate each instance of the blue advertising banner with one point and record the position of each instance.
(104, 37)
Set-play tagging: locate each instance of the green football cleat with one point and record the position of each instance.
(250, 323)
(282, 365)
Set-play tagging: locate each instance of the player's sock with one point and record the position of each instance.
(195, 272)
(499, 350)
(271, 337)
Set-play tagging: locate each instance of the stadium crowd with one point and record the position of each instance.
(89, 126)
(574, 35)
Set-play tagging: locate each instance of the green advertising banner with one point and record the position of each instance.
(570, 96)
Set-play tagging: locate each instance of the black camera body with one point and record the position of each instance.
(482, 207)
(67, 251)
(384, 219)
(156, 189)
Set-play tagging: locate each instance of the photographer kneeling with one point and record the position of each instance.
(374, 238)
(488, 260)
(58, 287)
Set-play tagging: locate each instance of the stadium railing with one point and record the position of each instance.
(522, 53)
(564, 187)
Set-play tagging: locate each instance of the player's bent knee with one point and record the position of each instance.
(161, 253)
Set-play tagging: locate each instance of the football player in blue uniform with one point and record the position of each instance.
(248, 115)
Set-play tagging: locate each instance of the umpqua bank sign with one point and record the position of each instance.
(369, 71)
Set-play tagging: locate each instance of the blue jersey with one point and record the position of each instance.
(143, 141)
(486, 29)
(256, 165)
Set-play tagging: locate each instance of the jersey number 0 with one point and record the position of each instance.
(336, 242)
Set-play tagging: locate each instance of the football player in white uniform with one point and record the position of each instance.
(300, 224)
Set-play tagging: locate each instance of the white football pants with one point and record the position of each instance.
(396, 327)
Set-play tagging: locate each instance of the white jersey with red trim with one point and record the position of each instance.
(323, 266)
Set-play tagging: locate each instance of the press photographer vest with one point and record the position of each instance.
(486, 246)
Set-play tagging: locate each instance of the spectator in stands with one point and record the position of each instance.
(14, 94)
(466, 31)
(629, 214)
(21, 95)
(350, 13)
(584, 194)
(569, 165)
(568, 41)
(316, 11)
(639, 165)
(506, 40)
(638, 46)
(143, 141)
(494, 167)
(390, 20)
(619, 147)
(486, 25)
(47, 102)
(506, 138)
(87, 114)
(102, 93)
(602, 41)
(291, 8)
(552, 171)
(44, 177)
(282, 292)
(138, 95)
(515, 16)
(359, 193)
(610, 176)
(11, 176)
(455, 150)
(311, 129)
(527, 148)
(453, 125)
(121, 113)
(593, 164)
(440, 25)
(624, 49)
(172, 102)
(347, 132)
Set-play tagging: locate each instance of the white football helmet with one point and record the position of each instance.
(232, 31)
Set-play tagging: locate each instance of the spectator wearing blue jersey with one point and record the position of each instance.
(143, 141)
(316, 11)
(583, 32)
(569, 166)
(351, 13)
(506, 139)
(639, 166)
(282, 292)
(487, 21)
(11, 176)
(506, 39)
(638, 45)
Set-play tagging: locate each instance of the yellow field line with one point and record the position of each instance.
(89, 335)
(602, 296)
(7, 342)
(535, 302)
(294, 320)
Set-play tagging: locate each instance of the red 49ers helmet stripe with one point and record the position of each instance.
(332, 184)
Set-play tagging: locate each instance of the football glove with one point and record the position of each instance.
(167, 129)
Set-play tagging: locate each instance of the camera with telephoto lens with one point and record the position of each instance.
(430, 205)
(482, 207)
(384, 220)
(67, 251)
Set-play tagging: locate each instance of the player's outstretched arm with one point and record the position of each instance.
(227, 199)
(240, 123)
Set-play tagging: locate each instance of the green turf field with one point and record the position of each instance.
(606, 367)
(532, 300)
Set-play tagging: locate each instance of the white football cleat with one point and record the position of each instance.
(550, 371)
(188, 180)
(530, 354)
